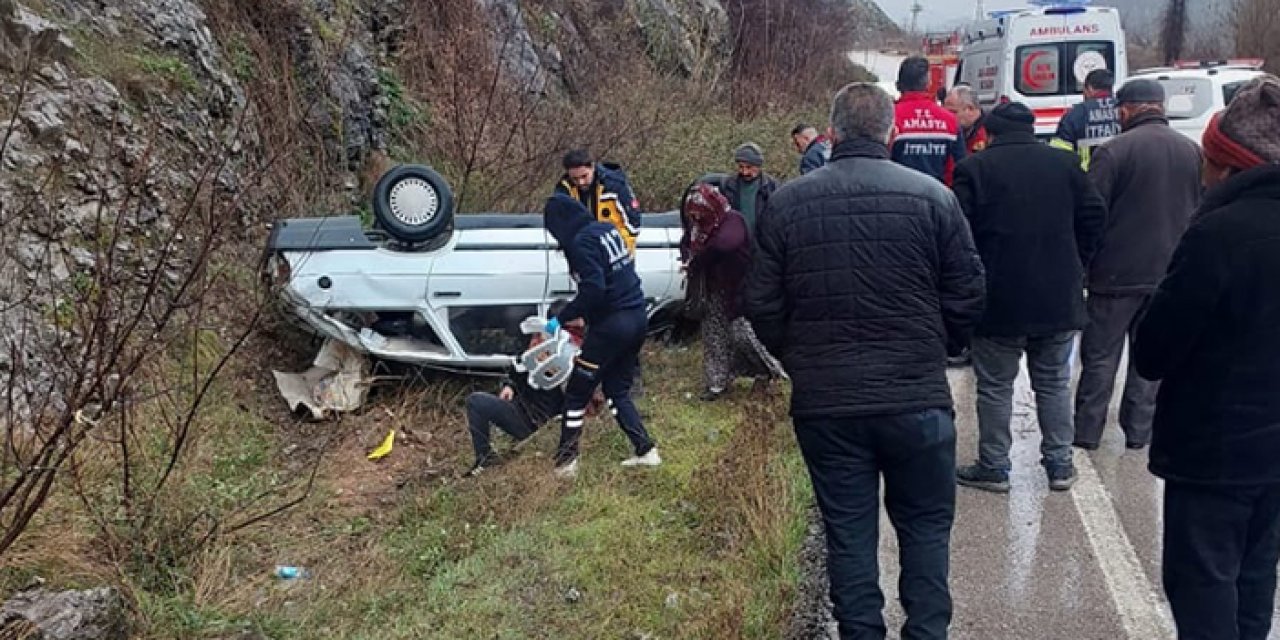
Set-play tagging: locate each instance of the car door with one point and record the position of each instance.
(494, 278)
(657, 264)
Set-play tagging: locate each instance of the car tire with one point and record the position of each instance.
(413, 203)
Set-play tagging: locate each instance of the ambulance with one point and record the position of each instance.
(1040, 56)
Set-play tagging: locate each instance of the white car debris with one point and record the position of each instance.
(337, 382)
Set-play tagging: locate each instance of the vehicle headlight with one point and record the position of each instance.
(279, 271)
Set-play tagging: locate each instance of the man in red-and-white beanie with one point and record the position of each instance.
(1212, 335)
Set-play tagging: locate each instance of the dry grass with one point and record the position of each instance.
(704, 547)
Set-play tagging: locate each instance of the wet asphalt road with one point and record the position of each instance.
(1081, 565)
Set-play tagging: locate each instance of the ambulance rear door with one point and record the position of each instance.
(1050, 52)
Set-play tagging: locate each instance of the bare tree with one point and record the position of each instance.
(1174, 31)
(1257, 27)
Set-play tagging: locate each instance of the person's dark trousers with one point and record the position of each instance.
(1221, 545)
(916, 455)
(1112, 318)
(996, 364)
(608, 359)
(484, 411)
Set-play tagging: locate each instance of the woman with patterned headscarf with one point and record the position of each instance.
(718, 251)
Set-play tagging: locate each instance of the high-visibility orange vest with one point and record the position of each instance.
(608, 208)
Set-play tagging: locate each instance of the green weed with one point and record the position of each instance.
(168, 69)
(403, 111)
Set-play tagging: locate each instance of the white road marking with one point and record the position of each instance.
(1141, 608)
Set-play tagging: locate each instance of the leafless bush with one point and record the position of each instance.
(787, 51)
(1208, 37)
(273, 57)
(109, 333)
(497, 129)
(469, 93)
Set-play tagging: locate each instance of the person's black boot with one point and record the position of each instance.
(980, 477)
(963, 360)
(487, 461)
(1061, 478)
(711, 395)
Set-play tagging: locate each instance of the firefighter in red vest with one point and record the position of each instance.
(926, 136)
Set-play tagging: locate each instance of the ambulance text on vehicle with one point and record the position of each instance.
(1040, 56)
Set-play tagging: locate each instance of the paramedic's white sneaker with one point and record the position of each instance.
(650, 459)
(567, 471)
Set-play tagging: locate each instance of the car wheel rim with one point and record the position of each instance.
(414, 201)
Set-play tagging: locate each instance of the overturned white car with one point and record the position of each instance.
(426, 288)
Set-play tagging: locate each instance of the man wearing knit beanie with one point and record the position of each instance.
(1037, 220)
(1212, 336)
(748, 190)
(750, 154)
(1011, 118)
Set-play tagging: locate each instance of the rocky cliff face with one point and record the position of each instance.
(187, 73)
(141, 107)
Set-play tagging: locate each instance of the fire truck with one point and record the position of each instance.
(942, 49)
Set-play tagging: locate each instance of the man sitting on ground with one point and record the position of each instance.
(518, 410)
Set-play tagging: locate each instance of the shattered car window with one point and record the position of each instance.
(491, 329)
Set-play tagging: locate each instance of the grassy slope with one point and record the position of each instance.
(703, 547)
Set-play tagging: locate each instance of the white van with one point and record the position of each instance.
(1040, 57)
(1197, 90)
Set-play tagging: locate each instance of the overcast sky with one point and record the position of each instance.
(941, 12)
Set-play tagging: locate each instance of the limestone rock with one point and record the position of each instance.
(691, 36)
(93, 614)
(23, 34)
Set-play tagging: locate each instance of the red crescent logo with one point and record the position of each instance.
(1027, 76)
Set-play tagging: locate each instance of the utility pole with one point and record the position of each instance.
(979, 12)
(916, 8)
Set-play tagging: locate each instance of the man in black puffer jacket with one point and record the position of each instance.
(1212, 335)
(865, 278)
(611, 303)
